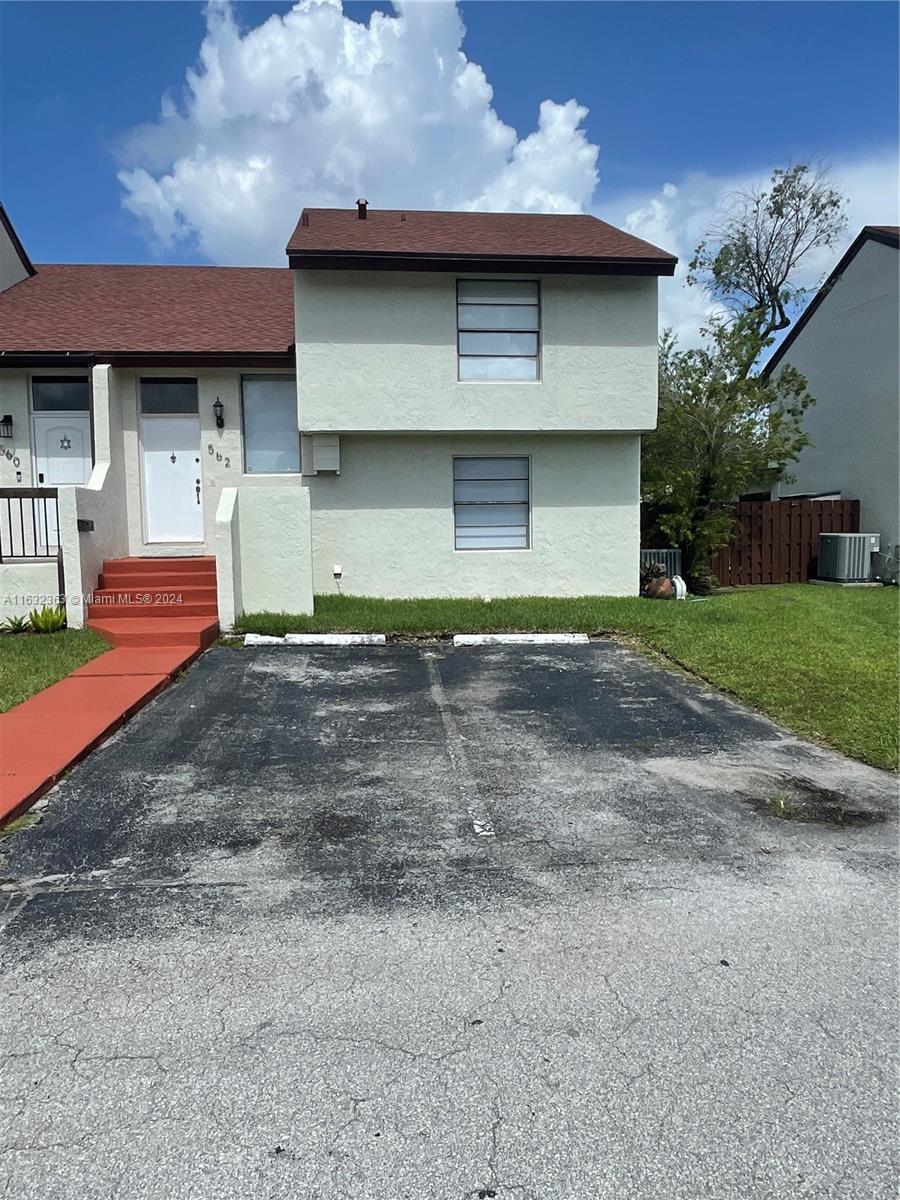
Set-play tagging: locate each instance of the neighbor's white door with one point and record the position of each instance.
(62, 455)
(173, 494)
(62, 448)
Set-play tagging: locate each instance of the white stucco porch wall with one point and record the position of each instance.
(388, 518)
(263, 551)
(27, 585)
(104, 499)
(276, 556)
(376, 352)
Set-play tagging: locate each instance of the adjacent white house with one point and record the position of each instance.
(419, 404)
(846, 344)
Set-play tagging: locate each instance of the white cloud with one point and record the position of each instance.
(677, 216)
(315, 108)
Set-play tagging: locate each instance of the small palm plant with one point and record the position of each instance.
(47, 619)
(15, 625)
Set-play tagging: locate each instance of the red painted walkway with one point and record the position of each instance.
(158, 614)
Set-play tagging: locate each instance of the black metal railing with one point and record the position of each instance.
(29, 527)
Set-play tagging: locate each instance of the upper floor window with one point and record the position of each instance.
(164, 397)
(498, 329)
(59, 393)
(271, 431)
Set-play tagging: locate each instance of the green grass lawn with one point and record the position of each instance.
(821, 661)
(30, 662)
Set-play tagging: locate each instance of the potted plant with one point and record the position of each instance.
(655, 584)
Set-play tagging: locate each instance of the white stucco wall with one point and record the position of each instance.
(101, 501)
(12, 270)
(263, 551)
(227, 550)
(27, 585)
(105, 498)
(376, 351)
(14, 403)
(849, 354)
(388, 518)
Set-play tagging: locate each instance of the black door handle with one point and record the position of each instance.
(40, 477)
(198, 491)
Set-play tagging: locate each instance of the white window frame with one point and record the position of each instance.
(537, 356)
(250, 375)
(526, 458)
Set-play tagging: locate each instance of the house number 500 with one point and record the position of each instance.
(219, 457)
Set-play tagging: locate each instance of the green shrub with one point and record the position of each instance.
(47, 620)
(14, 625)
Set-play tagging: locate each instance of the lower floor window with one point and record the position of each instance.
(271, 434)
(490, 503)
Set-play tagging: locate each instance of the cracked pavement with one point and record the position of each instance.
(416, 922)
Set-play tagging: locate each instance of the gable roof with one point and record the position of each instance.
(138, 313)
(887, 235)
(394, 239)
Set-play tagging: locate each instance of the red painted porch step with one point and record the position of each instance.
(157, 631)
(129, 581)
(140, 612)
(184, 566)
(144, 602)
(177, 593)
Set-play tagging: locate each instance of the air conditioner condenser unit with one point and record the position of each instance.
(847, 557)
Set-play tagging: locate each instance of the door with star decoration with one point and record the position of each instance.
(62, 448)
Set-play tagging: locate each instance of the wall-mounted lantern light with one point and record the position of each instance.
(6, 426)
(219, 410)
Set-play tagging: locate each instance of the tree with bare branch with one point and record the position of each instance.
(749, 260)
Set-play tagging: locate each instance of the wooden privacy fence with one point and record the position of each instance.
(777, 541)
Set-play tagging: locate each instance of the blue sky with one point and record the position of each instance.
(679, 95)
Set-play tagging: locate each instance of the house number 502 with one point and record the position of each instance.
(219, 456)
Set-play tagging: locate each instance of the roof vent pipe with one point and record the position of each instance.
(361, 206)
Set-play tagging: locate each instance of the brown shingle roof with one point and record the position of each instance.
(150, 310)
(575, 240)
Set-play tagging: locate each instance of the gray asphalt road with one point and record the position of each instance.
(426, 923)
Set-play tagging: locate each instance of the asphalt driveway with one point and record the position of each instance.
(428, 923)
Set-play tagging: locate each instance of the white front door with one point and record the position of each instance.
(62, 448)
(173, 493)
(62, 455)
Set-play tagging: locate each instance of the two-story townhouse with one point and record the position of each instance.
(421, 403)
(482, 381)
